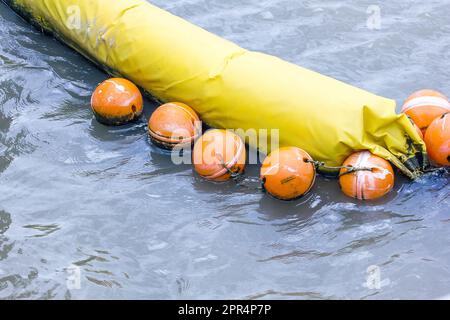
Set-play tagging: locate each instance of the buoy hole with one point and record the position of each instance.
(133, 108)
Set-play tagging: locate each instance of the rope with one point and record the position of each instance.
(350, 169)
(233, 174)
(239, 179)
(428, 170)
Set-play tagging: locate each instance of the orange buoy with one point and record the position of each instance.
(286, 173)
(437, 139)
(372, 179)
(424, 106)
(173, 124)
(117, 101)
(218, 154)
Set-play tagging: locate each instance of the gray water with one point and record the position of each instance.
(76, 193)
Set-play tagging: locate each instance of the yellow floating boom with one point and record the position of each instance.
(230, 87)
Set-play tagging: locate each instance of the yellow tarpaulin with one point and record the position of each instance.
(228, 86)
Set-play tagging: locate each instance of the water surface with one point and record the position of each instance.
(76, 193)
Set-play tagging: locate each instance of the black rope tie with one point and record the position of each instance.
(350, 169)
(234, 175)
(428, 170)
(240, 179)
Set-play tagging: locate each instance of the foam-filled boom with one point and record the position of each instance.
(228, 86)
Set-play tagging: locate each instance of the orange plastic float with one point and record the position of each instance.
(286, 173)
(372, 178)
(437, 139)
(424, 106)
(117, 101)
(218, 155)
(173, 124)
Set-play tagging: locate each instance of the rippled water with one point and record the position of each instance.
(74, 192)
